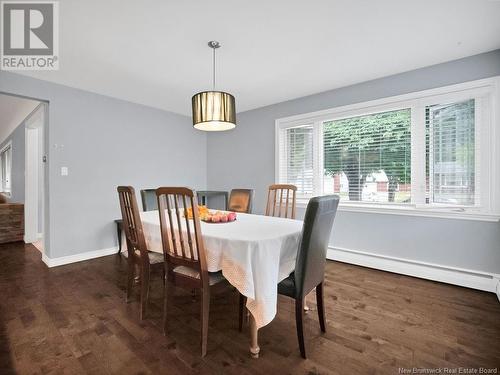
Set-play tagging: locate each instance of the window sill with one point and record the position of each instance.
(411, 211)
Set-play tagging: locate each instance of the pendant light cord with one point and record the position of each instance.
(214, 70)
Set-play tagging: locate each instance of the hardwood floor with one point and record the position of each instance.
(73, 320)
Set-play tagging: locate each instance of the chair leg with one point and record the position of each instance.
(119, 234)
(243, 302)
(299, 317)
(321, 307)
(205, 306)
(165, 296)
(130, 280)
(144, 291)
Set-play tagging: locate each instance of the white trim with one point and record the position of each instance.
(34, 125)
(7, 145)
(452, 275)
(31, 184)
(39, 236)
(54, 262)
(409, 211)
(498, 288)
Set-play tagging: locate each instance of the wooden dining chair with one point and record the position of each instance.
(137, 255)
(184, 250)
(281, 201)
(149, 201)
(240, 200)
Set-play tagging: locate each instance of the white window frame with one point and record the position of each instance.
(4, 148)
(486, 93)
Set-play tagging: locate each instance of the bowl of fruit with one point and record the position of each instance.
(212, 216)
(218, 217)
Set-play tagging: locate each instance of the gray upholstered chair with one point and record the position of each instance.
(310, 263)
(309, 270)
(149, 200)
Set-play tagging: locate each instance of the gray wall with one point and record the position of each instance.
(105, 142)
(18, 155)
(244, 157)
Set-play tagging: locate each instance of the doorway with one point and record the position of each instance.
(34, 177)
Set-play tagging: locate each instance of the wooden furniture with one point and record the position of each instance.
(203, 196)
(184, 251)
(281, 201)
(149, 201)
(309, 270)
(252, 245)
(240, 200)
(137, 252)
(11, 222)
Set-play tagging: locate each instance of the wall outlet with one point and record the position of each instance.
(64, 171)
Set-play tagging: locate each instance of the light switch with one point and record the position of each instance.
(64, 171)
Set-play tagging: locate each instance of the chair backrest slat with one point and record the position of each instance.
(287, 200)
(281, 202)
(182, 244)
(275, 201)
(188, 227)
(179, 226)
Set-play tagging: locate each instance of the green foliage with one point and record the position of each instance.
(361, 145)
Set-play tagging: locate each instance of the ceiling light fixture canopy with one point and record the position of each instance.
(213, 110)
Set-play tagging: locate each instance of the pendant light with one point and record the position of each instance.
(213, 110)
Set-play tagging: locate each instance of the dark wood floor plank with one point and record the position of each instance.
(74, 320)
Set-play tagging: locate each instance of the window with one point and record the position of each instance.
(368, 158)
(429, 151)
(450, 153)
(298, 167)
(5, 168)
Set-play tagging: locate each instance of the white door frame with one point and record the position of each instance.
(34, 133)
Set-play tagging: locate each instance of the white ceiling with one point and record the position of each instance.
(154, 52)
(13, 111)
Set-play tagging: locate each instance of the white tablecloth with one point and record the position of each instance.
(254, 253)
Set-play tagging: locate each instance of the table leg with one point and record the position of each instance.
(254, 338)
(306, 307)
(119, 234)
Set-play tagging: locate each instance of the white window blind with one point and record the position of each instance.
(450, 145)
(296, 161)
(368, 158)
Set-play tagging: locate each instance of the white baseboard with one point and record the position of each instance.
(457, 276)
(54, 262)
(39, 236)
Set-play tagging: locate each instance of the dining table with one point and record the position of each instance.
(254, 253)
